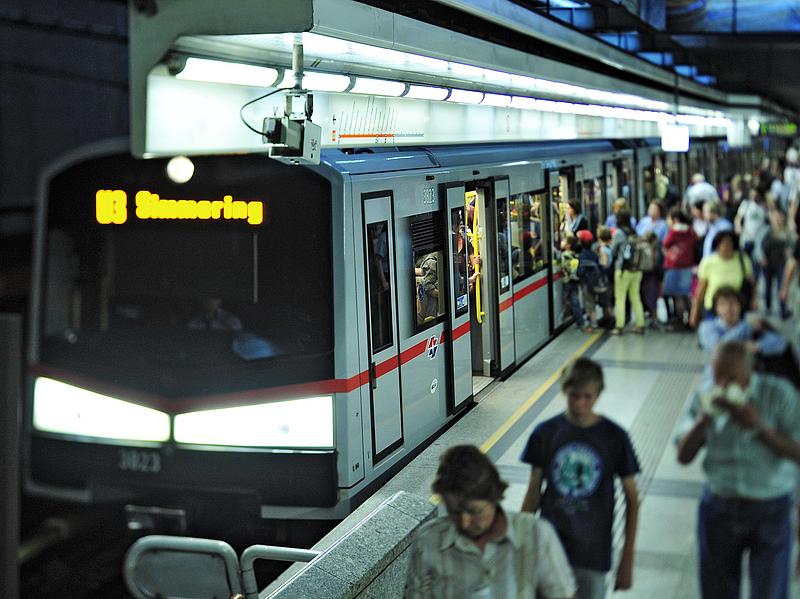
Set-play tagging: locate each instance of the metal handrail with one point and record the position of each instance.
(256, 552)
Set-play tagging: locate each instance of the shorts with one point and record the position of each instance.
(677, 282)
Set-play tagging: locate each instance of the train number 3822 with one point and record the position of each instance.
(137, 460)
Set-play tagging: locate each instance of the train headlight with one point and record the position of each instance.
(65, 409)
(306, 423)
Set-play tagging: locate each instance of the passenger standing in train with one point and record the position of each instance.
(712, 214)
(679, 251)
(627, 277)
(576, 221)
(572, 284)
(726, 266)
(749, 424)
(580, 453)
(480, 551)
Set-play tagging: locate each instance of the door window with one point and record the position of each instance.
(503, 277)
(458, 237)
(528, 236)
(380, 287)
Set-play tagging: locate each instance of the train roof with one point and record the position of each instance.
(357, 161)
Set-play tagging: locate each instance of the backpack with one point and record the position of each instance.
(783, 365)
(637, 254)
(591, 273)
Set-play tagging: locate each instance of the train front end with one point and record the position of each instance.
(182, 336)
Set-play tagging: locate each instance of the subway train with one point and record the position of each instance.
(282, 339)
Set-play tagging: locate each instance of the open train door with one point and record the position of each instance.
(458, 301)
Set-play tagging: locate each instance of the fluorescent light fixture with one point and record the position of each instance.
(423, 92)
(523, 103)
(378, 87)
(68, 410)
(317, 82)
(236, 73)
(496, 100)
(674, 138)
(465, 97)
(325, 82)
(306, 423)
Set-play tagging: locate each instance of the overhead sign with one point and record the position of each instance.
(111, 208)
(784, 129)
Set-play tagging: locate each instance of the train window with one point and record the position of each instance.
(458, 237)
(428, 260)
(528, 236)
(503, 276)
(182, 307)
(380, 286)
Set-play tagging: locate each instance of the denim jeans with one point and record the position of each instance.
(591, 583)
(573, 300)
(726, 527)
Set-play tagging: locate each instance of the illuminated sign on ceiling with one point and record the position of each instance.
(111, 208)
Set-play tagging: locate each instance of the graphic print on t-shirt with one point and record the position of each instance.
(576, 470)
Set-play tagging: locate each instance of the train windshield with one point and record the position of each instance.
(223, 284)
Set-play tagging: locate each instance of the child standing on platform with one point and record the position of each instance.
(572, 285)
(579, 453)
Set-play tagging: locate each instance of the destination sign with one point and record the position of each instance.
(111, 208)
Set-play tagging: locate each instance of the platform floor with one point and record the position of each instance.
(648, 381)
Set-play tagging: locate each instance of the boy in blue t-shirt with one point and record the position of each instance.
(579, 453)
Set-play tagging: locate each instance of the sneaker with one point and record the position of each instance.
(588, 329)
(616, 331)
(639, 330)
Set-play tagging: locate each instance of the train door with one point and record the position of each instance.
(384, 374)
(505, 290)
(557, 197)
(483, 294)
(459, 311)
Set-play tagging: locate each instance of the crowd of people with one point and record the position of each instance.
(705, 257)
(681, 252)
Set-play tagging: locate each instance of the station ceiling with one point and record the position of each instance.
(737, 46)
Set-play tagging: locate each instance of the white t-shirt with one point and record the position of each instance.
(754, 220)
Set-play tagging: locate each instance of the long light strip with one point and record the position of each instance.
(218, 71)
(329, 82)
(423, 92)
(378, 87)
(464, 96)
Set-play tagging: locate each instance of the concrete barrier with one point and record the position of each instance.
(368, 559)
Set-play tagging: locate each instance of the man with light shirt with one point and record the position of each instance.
(749, 424)
(479, 551)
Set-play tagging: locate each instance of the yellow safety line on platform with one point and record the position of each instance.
(506, 426)
(541, 390)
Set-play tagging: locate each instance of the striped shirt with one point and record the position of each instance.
(526, 559)
(737, 463)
